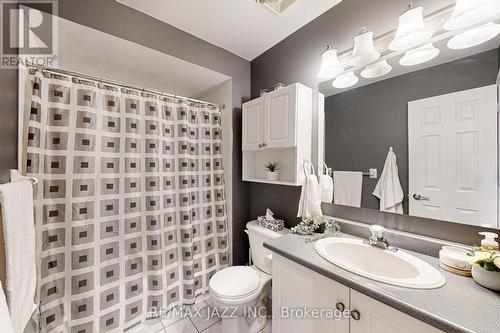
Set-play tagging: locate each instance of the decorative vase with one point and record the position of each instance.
(487, 279)
(272, 176)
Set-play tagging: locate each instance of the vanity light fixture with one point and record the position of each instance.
(411, 30)
(471, 12)
(330, 65)
(474, 36)
(345, 80)
(419, 55)
(378, 69)
(364, 51)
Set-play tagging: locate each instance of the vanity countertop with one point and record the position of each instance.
(461, 305)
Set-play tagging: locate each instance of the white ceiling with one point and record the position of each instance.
(242, 27)
(96, 53)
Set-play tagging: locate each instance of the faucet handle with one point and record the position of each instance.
(377, 230)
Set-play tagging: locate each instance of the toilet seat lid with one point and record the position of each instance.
(236, 281)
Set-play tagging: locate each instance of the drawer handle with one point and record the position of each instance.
(355, 315)
(340, 306)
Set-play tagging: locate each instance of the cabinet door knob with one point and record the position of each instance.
(340, 306)
(355, 314)
(264, 144)
(260, 145)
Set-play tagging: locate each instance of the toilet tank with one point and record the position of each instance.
(257, 235)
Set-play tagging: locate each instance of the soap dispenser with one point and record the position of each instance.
(488, 243)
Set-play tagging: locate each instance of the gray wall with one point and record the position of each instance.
(8, 123)
(116, 19)
(297, 59)
(362, 123)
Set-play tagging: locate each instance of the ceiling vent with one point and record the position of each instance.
(276, 6)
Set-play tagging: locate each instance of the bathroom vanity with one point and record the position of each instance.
(303, 279)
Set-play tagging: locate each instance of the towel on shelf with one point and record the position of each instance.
(5, 319)
(347, 188)
(326, 185)
(310, 196)
(16, 199)
(388, 188)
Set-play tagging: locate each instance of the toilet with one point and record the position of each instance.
(239, 292)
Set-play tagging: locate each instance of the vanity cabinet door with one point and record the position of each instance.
(280, 117)
(297, 288)
(372, 316)
(253, 125)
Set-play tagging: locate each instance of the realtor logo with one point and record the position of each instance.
(29, 33)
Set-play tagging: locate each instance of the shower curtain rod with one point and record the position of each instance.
(116, 83)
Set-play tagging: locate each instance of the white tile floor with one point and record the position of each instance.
(178, 323)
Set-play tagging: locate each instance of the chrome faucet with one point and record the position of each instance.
(377, 238)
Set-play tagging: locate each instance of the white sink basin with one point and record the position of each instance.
(396, 268)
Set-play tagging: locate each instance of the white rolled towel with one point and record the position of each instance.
(5, 320)
(310, 198)
(16, 199)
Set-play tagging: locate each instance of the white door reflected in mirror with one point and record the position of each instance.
(452, 142)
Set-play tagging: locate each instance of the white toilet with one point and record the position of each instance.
(239, 292)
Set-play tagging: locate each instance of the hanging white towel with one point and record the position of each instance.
(388, 188)
(16, 199)
(347, 188)
(310, 197)
(326, 185)
(5, 319)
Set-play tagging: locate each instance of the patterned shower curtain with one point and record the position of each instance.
(130, 206)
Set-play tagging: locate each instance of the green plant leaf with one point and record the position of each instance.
(491, 267)
(271, 166)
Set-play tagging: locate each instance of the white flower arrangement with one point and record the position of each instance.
(311, 224)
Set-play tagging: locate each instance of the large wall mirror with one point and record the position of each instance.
(441, 120)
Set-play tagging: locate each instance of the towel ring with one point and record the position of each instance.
(304, 167)
(326, 168)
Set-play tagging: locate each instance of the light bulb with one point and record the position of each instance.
(345, 80)
(419, 55)
(364, 51)
(378, 69)
(471, 12)
(411, 30)
(474, 36)
(330, 65)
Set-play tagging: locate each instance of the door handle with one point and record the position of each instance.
(355, 315)
(420, 197)
(340, 306)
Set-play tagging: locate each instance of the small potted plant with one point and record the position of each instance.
(272, 171)
(486, 269)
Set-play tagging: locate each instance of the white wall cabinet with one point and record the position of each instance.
(253, 125)
(277, 127)
(280, 122)
(297, 287)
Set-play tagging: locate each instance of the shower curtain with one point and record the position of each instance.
(130, 207)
